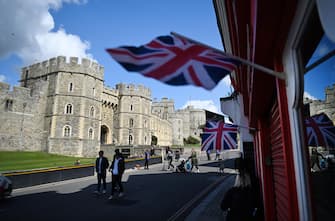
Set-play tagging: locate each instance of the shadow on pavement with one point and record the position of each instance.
(147, 196)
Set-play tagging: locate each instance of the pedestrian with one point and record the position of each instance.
(208, 152)
(241, 202)
(117, 168)
(146, 159)
(315, 159)
(170, 158)
(152, 151)
(194, 160)
(221, 166)
(101, 166)
(217, 154)
(181, 167)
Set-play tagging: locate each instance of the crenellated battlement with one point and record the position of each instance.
(17, 92)
(330, 94)
(59, 64)
(164, 100)
(110, 91)
(133, 90)
(4, 86)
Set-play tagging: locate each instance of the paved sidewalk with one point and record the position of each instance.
(209, 208)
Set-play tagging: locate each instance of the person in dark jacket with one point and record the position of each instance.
(117, 169)
(146, 159)
(101, 166)
(241, 201)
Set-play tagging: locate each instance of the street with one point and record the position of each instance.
(153, 194)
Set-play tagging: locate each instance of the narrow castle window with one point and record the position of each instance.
(68, 109)
(131, 107)
(67, 131)
(131, 122)
(9, 105)
(26, 79)
(92, 112)
(130, 139)
(70, 87)
(90, 133)
(93, 92)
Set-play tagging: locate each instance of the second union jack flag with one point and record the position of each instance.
(320, 131)
(219, 136)
(176, 61)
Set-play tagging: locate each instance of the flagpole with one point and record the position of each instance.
(280, 75)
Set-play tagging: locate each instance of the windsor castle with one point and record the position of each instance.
(64, 108)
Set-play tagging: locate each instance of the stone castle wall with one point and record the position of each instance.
(327, 106)
(36, 116)
(22, 122)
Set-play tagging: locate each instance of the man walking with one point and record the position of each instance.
(117, 168)
(101, 165)
(146, 159)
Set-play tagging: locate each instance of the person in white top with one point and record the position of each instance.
(117, 169)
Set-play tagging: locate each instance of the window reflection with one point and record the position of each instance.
(319, 114)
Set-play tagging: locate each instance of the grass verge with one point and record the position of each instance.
(18, 160)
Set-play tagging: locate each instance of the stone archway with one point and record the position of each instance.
(104, 134)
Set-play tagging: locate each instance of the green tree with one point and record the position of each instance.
(191, 140)
(154, 140)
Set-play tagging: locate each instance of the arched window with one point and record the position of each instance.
(68, 109)
(130, 139)
(90, 134)
(70, 88)
(131, 122)
(92, 112)
(67, 131)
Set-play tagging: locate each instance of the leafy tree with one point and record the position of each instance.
(191, 140)
(154, 140)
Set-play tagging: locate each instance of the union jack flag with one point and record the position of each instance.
(320, 131)
(176, 61)
(219, 136)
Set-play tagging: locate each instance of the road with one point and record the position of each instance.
(153, 194)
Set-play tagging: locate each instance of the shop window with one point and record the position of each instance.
(317, 57)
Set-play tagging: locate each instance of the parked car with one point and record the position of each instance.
(6, 187)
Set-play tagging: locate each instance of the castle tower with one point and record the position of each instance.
(73, 103)
(132, 125)
(163, 108)
(110, 102)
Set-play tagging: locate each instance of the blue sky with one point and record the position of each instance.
(322, 75)
(87, 28)
(42, 29)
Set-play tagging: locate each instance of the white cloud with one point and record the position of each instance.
(2, 78)
(308, 95)
(202, 104)
(27, 30)
(226, 80)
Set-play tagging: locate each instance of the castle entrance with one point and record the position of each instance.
(104, 134)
